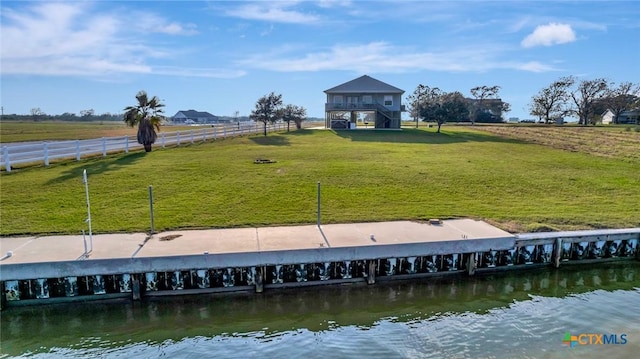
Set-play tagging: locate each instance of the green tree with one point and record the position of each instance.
(454, 107)
(147, 114)
(428, 106)
(268, 110)
(294, 113)
(439, 107)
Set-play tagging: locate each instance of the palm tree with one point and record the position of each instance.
(147, 115)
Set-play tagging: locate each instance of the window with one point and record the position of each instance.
(388, 100)
(337, 99)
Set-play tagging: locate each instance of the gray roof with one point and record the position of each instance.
(195, 114)
(364, 84)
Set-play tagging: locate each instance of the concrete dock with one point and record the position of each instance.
(37, 270)
(254, 240)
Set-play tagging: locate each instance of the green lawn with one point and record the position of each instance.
(365, 176)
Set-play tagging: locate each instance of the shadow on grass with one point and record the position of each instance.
(98, 166)
(302, 132)
(271, 140)
(421, 136)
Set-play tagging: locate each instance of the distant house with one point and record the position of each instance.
(626, 117)
(376, 103)
(194, 117)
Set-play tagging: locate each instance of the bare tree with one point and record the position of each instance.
(551, 102)
(36, 113)
(622, 98)
(585, 96)
(87, 113)
(268, 110)
(414, 101)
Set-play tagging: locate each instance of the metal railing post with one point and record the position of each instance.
(46, 154)
(318, 203)
(151, 208)
(7, 162)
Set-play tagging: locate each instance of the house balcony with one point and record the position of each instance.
(374, 107)
(350, 106)
(359, 107)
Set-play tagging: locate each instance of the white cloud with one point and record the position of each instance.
(548, 35)
(199, 72)
(68, 39)
(535, 66)
(334, 3)
(151, 23)
(276, 11)
(378, 57)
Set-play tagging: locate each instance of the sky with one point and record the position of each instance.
(222, 56)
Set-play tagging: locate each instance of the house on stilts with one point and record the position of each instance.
(364, 101)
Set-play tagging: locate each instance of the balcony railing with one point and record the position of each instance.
(350, 106)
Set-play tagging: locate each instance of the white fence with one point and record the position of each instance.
(44, 152)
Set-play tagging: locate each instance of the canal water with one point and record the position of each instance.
(519, 314)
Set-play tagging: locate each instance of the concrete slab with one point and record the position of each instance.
(64, 248)
(214, 241)
(292, 237)
(116, 245)
(243, 240)
(13, 244)
(359, 234)
(472, 229)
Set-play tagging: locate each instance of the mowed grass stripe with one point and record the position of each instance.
(365, 176)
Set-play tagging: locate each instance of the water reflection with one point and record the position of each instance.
(312, 309)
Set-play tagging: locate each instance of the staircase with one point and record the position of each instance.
(383, 110)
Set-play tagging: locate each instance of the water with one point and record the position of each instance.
(504, 315)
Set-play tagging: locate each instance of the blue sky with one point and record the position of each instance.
(221, 56)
